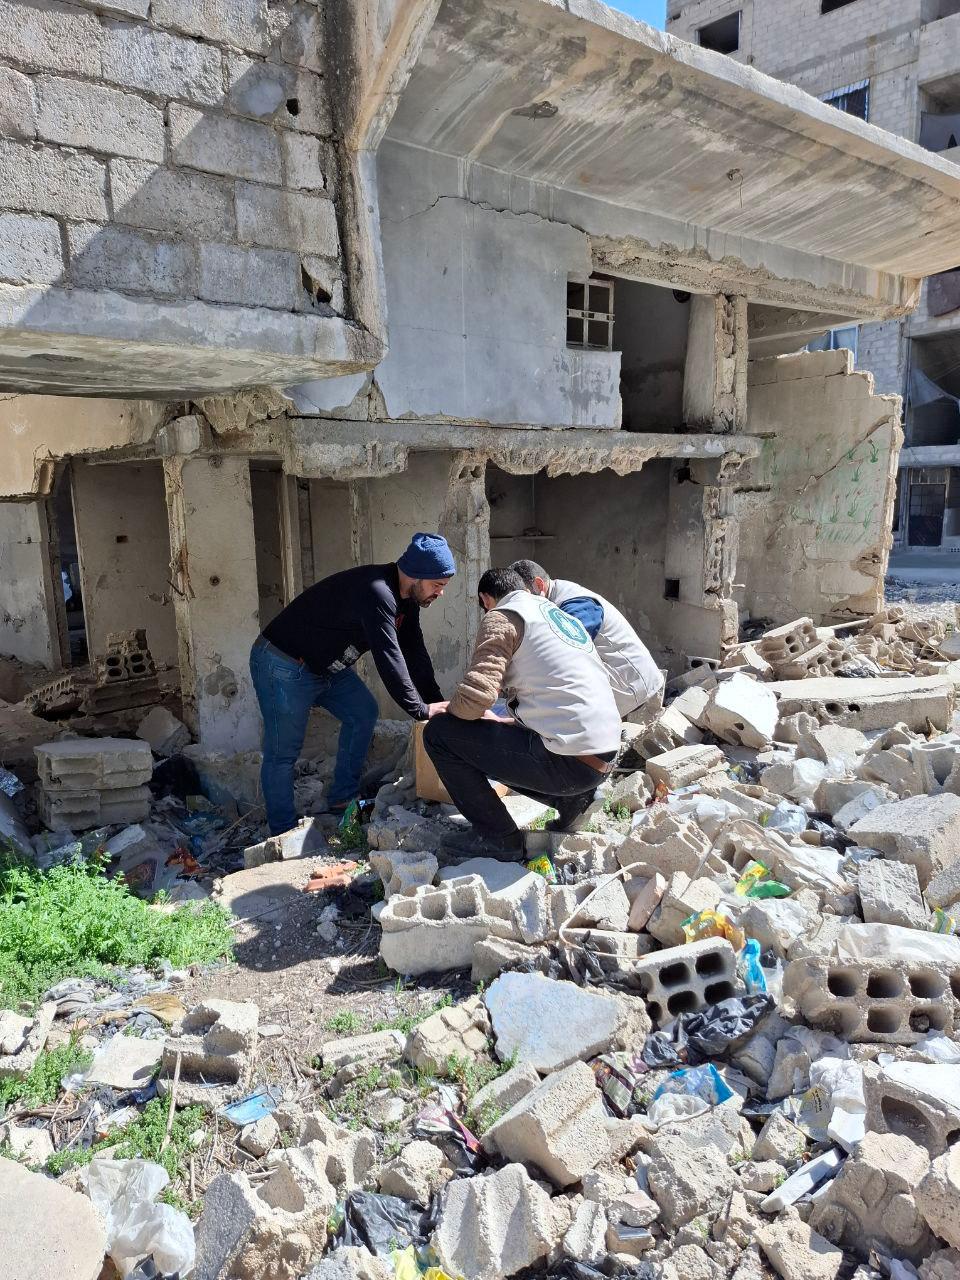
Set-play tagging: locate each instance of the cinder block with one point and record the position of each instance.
(50, 180)
(461, 1031)
(890, 894)
(869, 1204)
(365, 1050)
(685, 765)
(145, 195)
(287, 220)
(917, 1100)
(787, 643)
(218, 143)
(118, 258)
(83, 810)
(875, 703)
(944, 888)
(164, 65)
(303, 162)
(608, 908)
(18, 112)
(558, 1127)
(742, 711)
(250, 277)
(938, 1197)
(81, 763)
(241, 23)
(923, 831)
(401, 871)
(77, 114)
(684, 979)
(50, 36)
(668, 845)
(435, 929)
(494, 1225)
(893, 1002)
(216, 1046)
(30, 248)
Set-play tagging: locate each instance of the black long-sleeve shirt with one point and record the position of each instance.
(340, 618)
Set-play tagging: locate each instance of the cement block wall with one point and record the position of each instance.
(816, 507)
(182, 156)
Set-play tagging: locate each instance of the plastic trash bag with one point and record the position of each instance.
(123, 1192)
(712, 924)
(671, 1107)
(789, 819)
(937, 1047)
(441, 1126)
(749, 970)
(757, 882)
(864, 942)
(621, 1079)
(709, 1033)
(703, 1082)
(407, 1266)
(383, 1224)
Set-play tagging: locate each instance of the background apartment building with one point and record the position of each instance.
(895, 64)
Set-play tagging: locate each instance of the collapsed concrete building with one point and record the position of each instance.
(284, 282)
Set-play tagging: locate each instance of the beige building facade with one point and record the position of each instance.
(896, 65)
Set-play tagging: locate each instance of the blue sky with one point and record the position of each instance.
(651, 11)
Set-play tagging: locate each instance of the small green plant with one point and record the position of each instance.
(406, 1022)
(619, 812)
(484, 1117)
(539, 824)
(42, 1085)
(72, 921)
(143, 1139)
(345, 1023)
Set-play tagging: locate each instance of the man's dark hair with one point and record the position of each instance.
(499, 583)
(528, 570)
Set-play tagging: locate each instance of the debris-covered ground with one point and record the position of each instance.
(712, 1033)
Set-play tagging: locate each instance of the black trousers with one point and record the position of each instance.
(468, 752)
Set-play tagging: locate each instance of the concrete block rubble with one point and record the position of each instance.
(714, 1032)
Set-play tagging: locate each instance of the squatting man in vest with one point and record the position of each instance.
(566, 729)
(305, 659)
(634, 676)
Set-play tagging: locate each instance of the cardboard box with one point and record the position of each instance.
(426, 779)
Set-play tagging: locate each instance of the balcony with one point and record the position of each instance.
(938, 67)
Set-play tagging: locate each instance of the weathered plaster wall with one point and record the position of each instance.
(816, 507)
(38, 429)
(120, 513)
(476, 306)
(27, 608)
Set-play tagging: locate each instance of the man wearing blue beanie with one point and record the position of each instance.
(305, 659)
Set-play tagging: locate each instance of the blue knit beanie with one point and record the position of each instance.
(427, 556)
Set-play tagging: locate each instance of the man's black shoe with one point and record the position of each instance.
(507, 848)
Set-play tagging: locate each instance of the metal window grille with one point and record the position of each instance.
(854, 99)
(590, 313)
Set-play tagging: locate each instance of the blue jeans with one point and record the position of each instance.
(286, 692)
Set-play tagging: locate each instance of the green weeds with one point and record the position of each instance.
(72, 921)
(42, 1085)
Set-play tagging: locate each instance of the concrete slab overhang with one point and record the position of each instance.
(718, 158)
(99, 343)
(313, 447)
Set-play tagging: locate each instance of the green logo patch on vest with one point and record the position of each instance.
(570, 630)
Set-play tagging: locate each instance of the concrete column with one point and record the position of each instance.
(465, 523)
(213, 570)
(28, 588)
(123, 546)
(715, 375)
(701, 555)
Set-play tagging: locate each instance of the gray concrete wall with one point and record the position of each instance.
(120, 513)
(816, 506)
(27, 608)
(476, 307)
(265, 497)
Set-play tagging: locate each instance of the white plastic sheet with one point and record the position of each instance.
(864, 942)
(123, 1192)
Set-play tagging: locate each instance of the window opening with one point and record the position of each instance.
(590, 313)
(828, 6)
(854, 99)
(723, 35)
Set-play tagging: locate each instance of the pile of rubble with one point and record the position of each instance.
(713, 1033)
